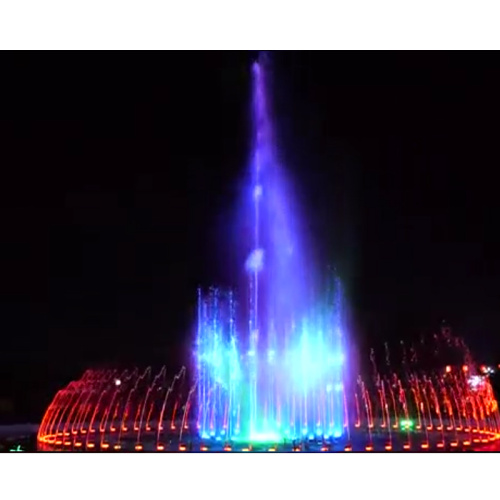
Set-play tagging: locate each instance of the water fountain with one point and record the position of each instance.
(269, 369)
(274, 368)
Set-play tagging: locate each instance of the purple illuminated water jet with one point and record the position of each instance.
(273, 368)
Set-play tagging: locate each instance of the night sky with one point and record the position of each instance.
(121, 173)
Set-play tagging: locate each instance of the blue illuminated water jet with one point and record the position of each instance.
(272, 367)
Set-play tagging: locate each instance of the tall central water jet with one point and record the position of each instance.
(282, 374)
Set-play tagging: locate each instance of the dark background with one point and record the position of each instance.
(120, 174)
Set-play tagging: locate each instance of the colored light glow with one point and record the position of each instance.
(270, 437)
(476, 382)
(448, 369)
(406, 424)
(291, 353)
